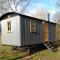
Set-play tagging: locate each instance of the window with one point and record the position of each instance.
(9, 26)
(32, 26)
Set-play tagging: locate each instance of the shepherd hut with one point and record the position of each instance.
(25, 31)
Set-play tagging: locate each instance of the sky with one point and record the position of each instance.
(46, 4)
(49, 4)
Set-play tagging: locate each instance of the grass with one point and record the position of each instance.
(48, 55)
(7, 54)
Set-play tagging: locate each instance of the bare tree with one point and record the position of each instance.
(57, 3)
(57, 18)
(13, 5)
(21, 4)
(3, 6)
(41, 13)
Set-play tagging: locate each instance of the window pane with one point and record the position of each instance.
(9, 25)
(32, 26)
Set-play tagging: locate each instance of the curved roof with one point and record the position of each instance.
(9, 13)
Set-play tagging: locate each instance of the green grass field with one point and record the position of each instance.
(7, 54)
(46, 55)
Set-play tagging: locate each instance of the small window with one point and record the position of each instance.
(32, 26)
(9, 26)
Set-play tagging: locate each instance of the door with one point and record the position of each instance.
(45, 32)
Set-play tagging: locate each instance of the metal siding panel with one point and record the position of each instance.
(25, 33)
(29, 38)
(52, 33)
(38, 35)
(22, 32)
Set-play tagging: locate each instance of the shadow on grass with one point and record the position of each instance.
(18, 57)
(38, 48)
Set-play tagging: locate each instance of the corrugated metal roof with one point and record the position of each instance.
(9, 13)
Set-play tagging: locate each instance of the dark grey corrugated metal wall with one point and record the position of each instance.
(28, 37)
(52, 32)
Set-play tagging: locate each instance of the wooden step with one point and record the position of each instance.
(50, 46)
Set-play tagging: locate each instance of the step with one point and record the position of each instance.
(50, 46)
(48, 43)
